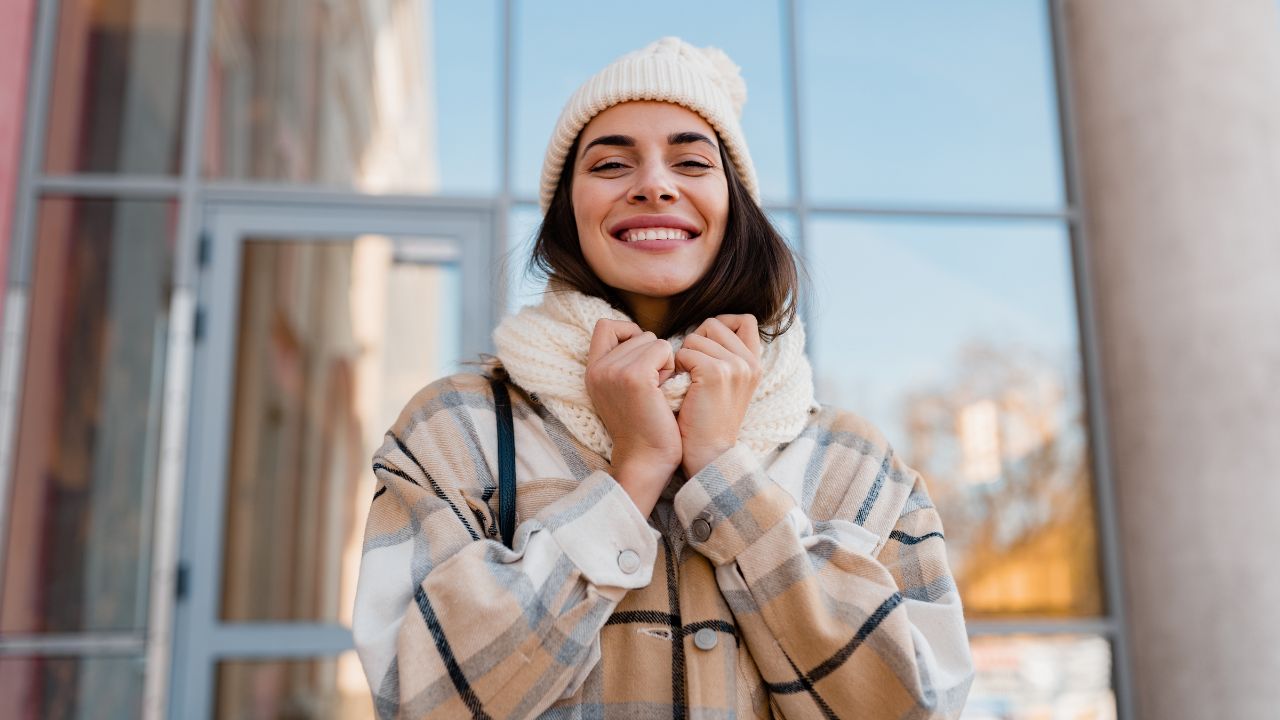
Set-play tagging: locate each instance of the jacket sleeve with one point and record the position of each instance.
(449, 623)
(839, 624)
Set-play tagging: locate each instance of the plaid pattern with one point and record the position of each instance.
(812, 584)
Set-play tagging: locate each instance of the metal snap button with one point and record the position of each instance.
(705, 639)
(701, 529)
(628, 561)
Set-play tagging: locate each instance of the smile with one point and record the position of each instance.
(653, 233)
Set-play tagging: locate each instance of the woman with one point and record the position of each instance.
(697, 536)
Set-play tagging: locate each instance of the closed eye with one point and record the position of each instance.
(607, 166)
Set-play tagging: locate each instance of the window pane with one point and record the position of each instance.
(329, 688)
(785, 222)
(80, 519)
(334, 336)
(929, 102)
(547, 73)
(71, 688)
(522, 230)
(959, 341)
(117, 89)
(379, 96)
(1032, 677)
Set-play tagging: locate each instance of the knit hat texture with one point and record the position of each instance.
(704, 80)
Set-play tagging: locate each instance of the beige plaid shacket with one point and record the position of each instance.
(812, 583)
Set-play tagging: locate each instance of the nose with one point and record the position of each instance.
(654, 183)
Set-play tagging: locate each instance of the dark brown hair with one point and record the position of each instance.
(755, 271)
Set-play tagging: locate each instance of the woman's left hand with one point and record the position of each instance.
(723, 360)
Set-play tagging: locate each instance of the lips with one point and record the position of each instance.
(653, 224)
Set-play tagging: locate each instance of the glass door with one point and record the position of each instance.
(317, 324)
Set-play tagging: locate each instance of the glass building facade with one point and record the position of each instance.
(245, 232)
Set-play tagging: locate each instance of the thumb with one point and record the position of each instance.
(669, 368)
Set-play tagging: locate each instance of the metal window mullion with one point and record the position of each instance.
(901, 211)
(502, 209)
(240, 192)
(101, 184)
(1104, 626)
(21, 251)
(791, 21)
(166, 531)
(277, 640)
(75, 644)
(1104, 498)
(940, 211)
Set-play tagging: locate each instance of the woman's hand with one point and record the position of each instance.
(723, 360)
(625, 366)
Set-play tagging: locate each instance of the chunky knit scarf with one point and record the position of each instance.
(544, 349)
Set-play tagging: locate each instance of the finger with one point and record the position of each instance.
(656, 356)
(747, 328)
(723, 335)
(626, 353)
(698, 363)
(711, 347)
(607, 335)
(648, 357)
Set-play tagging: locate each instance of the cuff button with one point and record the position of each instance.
(701, 529)
(628, 561)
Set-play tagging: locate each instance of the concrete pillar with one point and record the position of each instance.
(1177, 110)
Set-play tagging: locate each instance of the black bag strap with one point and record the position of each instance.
(506, 462)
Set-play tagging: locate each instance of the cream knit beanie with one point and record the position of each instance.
(704, 80)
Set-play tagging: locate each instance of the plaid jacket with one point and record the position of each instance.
(812, 584)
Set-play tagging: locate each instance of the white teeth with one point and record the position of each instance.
(654, 234)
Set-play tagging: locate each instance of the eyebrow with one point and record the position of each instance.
(679, 138)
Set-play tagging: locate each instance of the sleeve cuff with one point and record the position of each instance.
(729, 504)
(600, 529)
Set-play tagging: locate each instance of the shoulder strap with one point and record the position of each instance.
(506, 462)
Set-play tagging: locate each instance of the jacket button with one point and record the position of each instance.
(705, 639)
(628, 561)
(701, 529)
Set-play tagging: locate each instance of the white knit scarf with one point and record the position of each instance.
(544, 349)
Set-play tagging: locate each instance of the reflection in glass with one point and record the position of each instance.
(335, 335)
(117, 88)
(79, 517)
(522, 230)
(929, 102)
(71, 688)
(1053, 677)
(785, 222)
(345, 93)
(329, 688)
(547, 73)
(959, 341)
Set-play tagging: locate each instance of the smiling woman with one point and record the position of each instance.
(652, 207)
(652, 216)
(696, 534)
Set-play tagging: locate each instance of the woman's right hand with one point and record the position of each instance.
(625, 366)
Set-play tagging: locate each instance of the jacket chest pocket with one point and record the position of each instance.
(532, 496)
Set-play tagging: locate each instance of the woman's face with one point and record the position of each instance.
(650, 198)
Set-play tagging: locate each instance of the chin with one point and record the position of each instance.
(657, 288)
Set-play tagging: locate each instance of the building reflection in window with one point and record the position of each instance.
(332, 688)
(959, 340)
(335, 335)
(345, 94)
(80, 510)
(1041, 676)
(119, 79)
